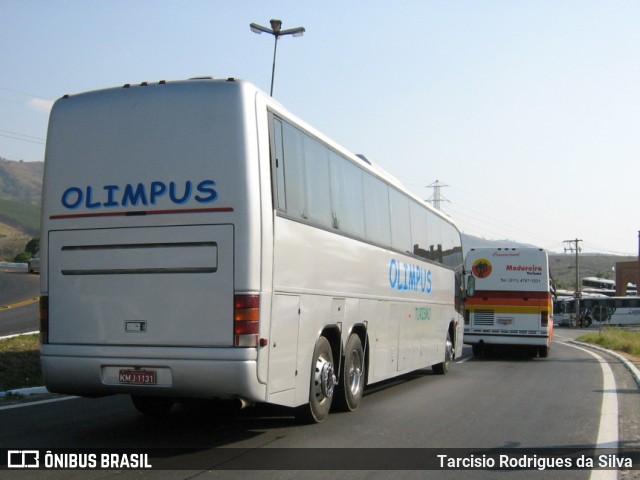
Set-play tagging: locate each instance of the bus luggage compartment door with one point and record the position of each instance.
(142, 286)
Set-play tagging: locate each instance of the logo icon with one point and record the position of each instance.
(481, 268)
(23, 459)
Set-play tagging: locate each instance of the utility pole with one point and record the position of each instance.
(437, 197)
(577, 294)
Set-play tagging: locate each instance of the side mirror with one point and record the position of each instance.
(471, 286)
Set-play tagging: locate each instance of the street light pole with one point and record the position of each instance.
(277, 32)
(273, 67)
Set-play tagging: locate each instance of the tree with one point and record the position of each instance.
(603, 274)
(33, 246)
(22, 257)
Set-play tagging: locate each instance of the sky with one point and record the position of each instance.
(528, 111)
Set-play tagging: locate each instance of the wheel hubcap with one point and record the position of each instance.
(354, 375)
(325, 379)
(448, 351)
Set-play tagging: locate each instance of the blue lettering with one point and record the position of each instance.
(90, 203)
(111, 191)
(134, 197)
(407, 277)
(206, 187)
(393, 273)
(157, 190)
(187, 193)
(405, 284)
(68, 200)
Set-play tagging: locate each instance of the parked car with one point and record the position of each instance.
(34, 263)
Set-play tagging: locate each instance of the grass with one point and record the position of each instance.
(20, 362)
(622, 341)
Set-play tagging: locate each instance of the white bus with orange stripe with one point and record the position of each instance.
(509, 299)
(200, 241)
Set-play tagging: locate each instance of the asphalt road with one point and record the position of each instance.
(18, 308)
(504, 401)
(501, 402)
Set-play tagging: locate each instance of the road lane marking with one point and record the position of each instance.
(24, 303)
(608, 428)
(37, 402)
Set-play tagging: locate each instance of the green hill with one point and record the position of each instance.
(21, 181)
(21, 216)
(563, 267)
(20, 193)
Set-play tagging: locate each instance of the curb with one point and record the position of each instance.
(630, 366)
(23, 392)
(20, 334)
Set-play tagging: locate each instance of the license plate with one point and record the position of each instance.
(138, 377)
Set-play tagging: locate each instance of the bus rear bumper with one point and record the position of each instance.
(204, 373)
(471, 338)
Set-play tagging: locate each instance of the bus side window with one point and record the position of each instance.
(278, 162)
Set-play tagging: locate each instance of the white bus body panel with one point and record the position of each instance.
(405, 328)
(160, 286)
(149, 192)
(157, 209)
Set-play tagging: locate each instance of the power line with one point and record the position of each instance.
(27, 94)
(479, 221)
(487, 224)
(21, 136)
(607, 250)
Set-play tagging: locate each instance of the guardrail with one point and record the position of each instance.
(12, 265)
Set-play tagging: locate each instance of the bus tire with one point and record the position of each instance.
(443, 367)
(152, 406)
(352, 376)
(321, 386)
(543, 352)
(600, 313)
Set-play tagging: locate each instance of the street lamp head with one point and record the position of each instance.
(294, 32)
(276, 25)
(276, 29)
(255, 28)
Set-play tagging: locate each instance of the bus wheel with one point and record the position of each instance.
(443, 368)
(543, 352)
(152, 406)
(351, 386)
(323, 381)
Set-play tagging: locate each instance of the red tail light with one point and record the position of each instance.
(246, 320)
